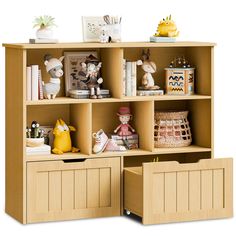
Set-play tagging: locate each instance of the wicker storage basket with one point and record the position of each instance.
(172, 129)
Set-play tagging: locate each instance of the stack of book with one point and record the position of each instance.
(129, 142)
(41, 150)
(129, 78)
(34, 84)
(85, 93)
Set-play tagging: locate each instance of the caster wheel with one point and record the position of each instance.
(127, 212)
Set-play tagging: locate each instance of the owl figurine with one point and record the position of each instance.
(62, 140)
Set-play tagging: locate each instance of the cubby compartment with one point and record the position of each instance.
(62, 190)
(162, 192)
(111, 70)
(199, 117)
(104, 116)
(199, 57)
(77, 115)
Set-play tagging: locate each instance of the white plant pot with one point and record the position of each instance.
(44, 33)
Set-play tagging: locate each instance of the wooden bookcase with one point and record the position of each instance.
(83, 185)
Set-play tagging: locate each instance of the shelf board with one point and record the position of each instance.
(167, 97)
(67, 100)
(134, 152)
(189, 149)
(84, 45)
(55, 157)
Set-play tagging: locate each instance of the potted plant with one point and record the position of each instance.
(44, 24)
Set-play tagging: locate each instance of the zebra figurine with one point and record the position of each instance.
(54, 68)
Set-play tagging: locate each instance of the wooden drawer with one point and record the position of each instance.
(170, 192)
(58, 190)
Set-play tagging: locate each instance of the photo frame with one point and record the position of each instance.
(74, 75)
(92, 28)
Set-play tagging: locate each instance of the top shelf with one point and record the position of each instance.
(108, 45)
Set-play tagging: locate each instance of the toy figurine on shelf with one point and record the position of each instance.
(149, 67)
(125, 130)
(91, 68)
(166, 31)
(34, 135)
(54, 68)
(62, 141)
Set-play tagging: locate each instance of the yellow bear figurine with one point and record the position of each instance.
(62, 140)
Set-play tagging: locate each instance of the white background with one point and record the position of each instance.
(197, 20)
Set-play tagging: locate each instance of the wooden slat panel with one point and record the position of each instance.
(194, 190)
(105, 187)
(80, 189)
(42, 192)
(54, 191)
(182, 191)
(170, 192)
(218, 189)
(67, 179)
(206, 189)
(158, 193)
(92, 188)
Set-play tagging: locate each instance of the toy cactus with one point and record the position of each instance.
(34, 135)
(54, 68)
(167, 28)
(62, 140)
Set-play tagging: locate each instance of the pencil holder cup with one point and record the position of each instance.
(114, 31)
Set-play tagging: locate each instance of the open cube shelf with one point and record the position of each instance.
(82, 185)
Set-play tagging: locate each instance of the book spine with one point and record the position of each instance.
(34, 77)
(40, 94)
(133, 78)
(128, 78)
(28, 83)
(124, 77)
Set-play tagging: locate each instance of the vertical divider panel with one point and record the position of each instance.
(112, 70)
(81, 119)
(143, 113)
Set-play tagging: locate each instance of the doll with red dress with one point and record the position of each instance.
(124, 129)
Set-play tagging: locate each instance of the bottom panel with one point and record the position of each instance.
(58, 190)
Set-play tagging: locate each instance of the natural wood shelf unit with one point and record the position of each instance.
(82, 185)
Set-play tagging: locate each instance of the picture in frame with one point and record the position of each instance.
(74, 75)
(92, 28)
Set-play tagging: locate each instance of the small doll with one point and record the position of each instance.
(91, 68)
(124, 128)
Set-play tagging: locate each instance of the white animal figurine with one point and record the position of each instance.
(149, 67)
(54, 68)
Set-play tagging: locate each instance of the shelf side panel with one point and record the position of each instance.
(112, 70)
(15, 131)
(81, 119)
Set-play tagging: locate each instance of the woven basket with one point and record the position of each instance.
(172, 129)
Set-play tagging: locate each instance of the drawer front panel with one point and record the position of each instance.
(60, 191)
(181, 192)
